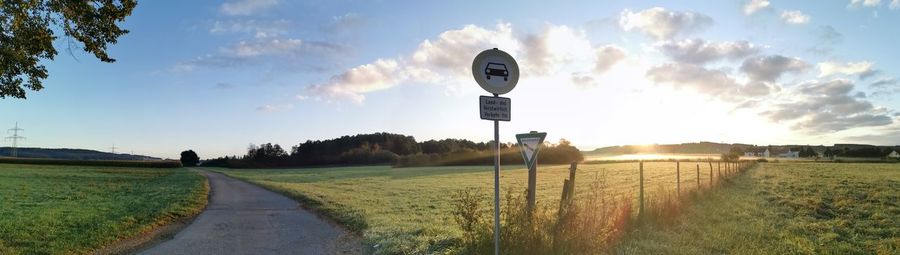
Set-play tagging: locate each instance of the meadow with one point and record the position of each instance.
(787, 208)
(78, 209)
(408, 210)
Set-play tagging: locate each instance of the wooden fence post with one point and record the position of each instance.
(719, 169)
(698, 177)
(641, 212)
(568, 191)
(678, 177)
(710, 175)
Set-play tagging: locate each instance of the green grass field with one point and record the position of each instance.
(77, 209)
(788, 208)
(407, 210)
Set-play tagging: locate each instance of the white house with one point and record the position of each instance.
(790, 154)
(757, 152)
(893, 155)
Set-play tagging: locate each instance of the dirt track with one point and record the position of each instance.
(242, 218)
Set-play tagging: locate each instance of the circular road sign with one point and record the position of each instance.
(495, 71)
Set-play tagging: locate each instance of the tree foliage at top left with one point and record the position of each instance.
(28, 29)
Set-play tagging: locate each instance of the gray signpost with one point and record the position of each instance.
(530, 145)
(496, 72)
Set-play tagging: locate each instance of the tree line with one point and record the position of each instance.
(389, 149)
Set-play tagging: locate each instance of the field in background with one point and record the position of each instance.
(407, 210)
(77, 209)
(788, 208)
(73, 162)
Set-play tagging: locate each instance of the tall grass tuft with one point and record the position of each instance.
(589, 223)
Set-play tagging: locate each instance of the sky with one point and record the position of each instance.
(216, 76)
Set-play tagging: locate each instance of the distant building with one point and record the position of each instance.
(893, 155)
(760, 152)
(790, 154)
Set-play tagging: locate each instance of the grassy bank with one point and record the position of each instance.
(788, 208)
(77, 209)
(407, 210)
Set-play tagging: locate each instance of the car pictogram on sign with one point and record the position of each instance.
(496, 69)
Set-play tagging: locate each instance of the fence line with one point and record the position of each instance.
(732, 169)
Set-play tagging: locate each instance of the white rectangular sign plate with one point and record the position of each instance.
(495, 108)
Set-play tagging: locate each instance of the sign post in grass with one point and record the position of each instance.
(530, 145)
(505, 72)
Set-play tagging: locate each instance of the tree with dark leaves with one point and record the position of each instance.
(27, 35)
(189, 158)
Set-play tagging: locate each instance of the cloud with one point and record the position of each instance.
(715, 83)
(547, 51)
(246, 7)
(885, 87)
(827, 107)
(346, 22)
(895, 4)
(866, 3)
(353, 83)
(755, 5)
(224, 85)
(447, 60)
(454, 50)
(584, 81)
(827, 34)
(661, 24)
(883, 83)
(260, 29)
(862, 69)
(607, 57)
(699, 51)
(274, 108)
(262, 50)
(770, 68)
(794, 17)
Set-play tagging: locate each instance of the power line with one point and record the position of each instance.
(113, 148)
(15, 139)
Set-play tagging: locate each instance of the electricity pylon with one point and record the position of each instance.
(15, 139)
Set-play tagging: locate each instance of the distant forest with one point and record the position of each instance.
(389, 149)
(837, 150)
(70, 154)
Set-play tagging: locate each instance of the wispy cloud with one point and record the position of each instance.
(866, 3)
(862, 69)
(753, 6)
(274, 108)
(448, 58)
(246, 7)
(662, 24)
(262, 50)
(258, 28)
(224, 85)
(699, 51)
(770, 68)
(794, 17)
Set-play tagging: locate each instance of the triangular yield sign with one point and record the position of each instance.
(530, 144)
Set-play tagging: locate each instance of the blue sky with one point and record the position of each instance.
(217, 76)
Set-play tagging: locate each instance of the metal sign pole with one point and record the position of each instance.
(497, 186)
(497, 73)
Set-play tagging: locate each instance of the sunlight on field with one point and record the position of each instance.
(407, 210)
(76, 209)
(788, 208)
(652, 156)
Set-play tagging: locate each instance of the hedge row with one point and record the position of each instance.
(117, 163)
